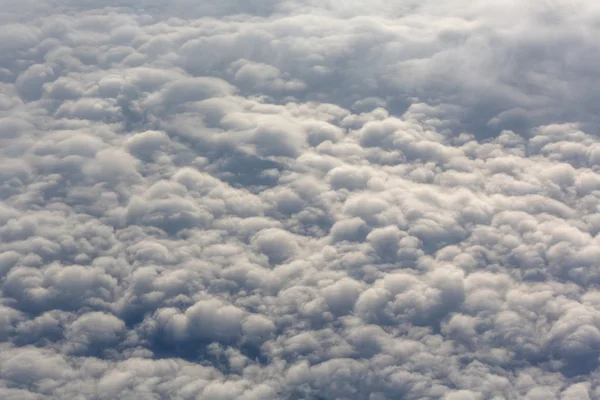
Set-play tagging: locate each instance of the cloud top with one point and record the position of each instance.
(299, 200)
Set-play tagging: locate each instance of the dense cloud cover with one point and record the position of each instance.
(299, 199)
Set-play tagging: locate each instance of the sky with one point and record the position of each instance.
(299, 200)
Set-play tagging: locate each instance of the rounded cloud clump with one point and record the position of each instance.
(299, 199)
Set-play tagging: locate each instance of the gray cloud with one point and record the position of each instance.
(299, 200)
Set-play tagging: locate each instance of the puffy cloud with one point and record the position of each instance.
(299, 200)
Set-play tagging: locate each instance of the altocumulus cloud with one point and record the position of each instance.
(256, 200)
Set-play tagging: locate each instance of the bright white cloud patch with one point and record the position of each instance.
(299, 200)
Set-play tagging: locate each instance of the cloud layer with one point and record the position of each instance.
(299, 200)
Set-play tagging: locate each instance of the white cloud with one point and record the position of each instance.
(299, 200)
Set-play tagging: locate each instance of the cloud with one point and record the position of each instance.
(299, 200)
